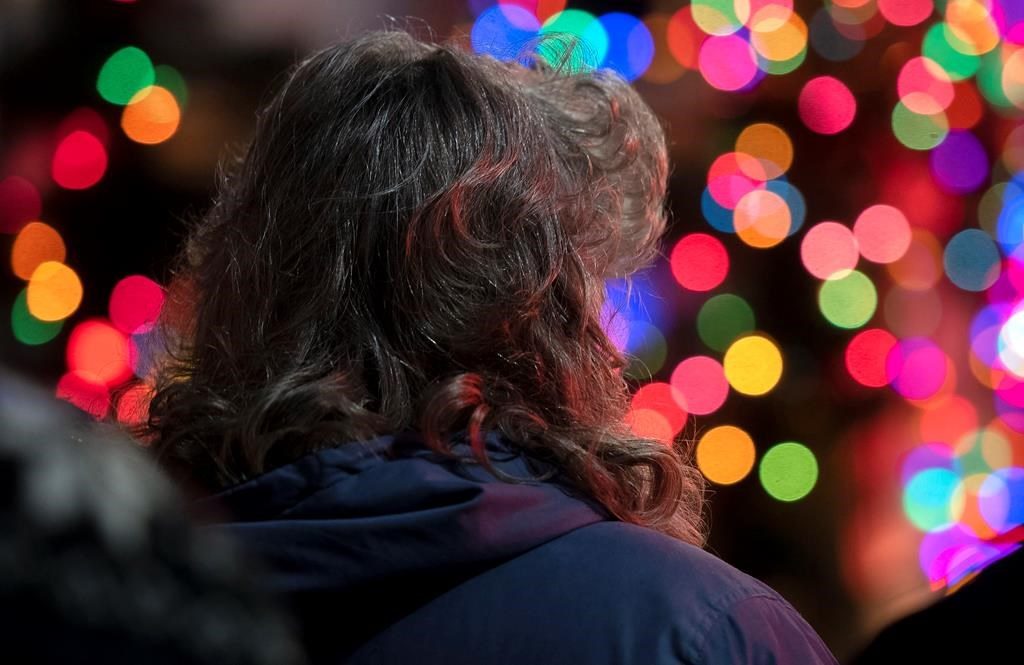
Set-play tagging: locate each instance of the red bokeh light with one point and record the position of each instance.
(133, 404)
(866, 356)
(701, 382)
(101, 350)
(19, 203)
(79, 161)
(87, 120)
(826, 105)
(135, 304)
(85, 391)
(665, 400)
(699, 262)
(905, 12)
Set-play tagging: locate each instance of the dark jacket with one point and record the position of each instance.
(389, 553)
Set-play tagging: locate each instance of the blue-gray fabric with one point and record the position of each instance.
(390, 553)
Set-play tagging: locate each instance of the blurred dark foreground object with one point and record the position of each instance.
(977, 624)
(98, 563)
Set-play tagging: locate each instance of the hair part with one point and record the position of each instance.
(418, 238)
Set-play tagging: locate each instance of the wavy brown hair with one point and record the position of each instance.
(417, 238)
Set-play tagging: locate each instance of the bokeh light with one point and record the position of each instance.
(971, 260)
(727, 63)
(152, 116)
(722, 319)
(1001, 498)
(959, 163)
(657, 411)
(79, 161)
(99, 350)
(26, 328)
(126, 72)
(732, 176)
(54, 291)
(503, 31)
(883, 233)
(848, 301)
(725, 454)
(866, 356)
(826, 105)
(924, 86)
(788, 471)
(19, 203)
(135, 304)
(701, 383)
(699, 262)
(753, 365)
(933, 499)
(35, 243)
(762, 219)
(770, 145)
(582, 42)
(920, 267)
(905, 12)
(169, 78)
(133, 404)
(86, 392)
(937, 47)
(917, 368)
(919, 131)
(720, 17)
(630, 45)
(829, 250)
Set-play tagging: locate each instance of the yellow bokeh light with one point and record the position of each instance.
(152, 116)
(54, 291)
(725, 455)
(769, 144)
(35, 243)
(753, 365)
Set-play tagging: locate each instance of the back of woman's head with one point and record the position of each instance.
(418, 238)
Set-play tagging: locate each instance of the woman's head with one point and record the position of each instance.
(418, 238)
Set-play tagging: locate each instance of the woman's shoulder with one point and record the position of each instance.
(715, 612)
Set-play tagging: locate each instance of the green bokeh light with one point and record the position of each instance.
(788, 471)
(717, 17)
(848, 302)
(648, 351)
(170, 78)
(123, 74)
(918, 131)
(936, 46)
(579, 41)
(722, 319)
(990, 80)
(28, 329)
(778, 68)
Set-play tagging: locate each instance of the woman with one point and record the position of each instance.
(389, 359)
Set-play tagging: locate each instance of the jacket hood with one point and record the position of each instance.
(357, 536)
